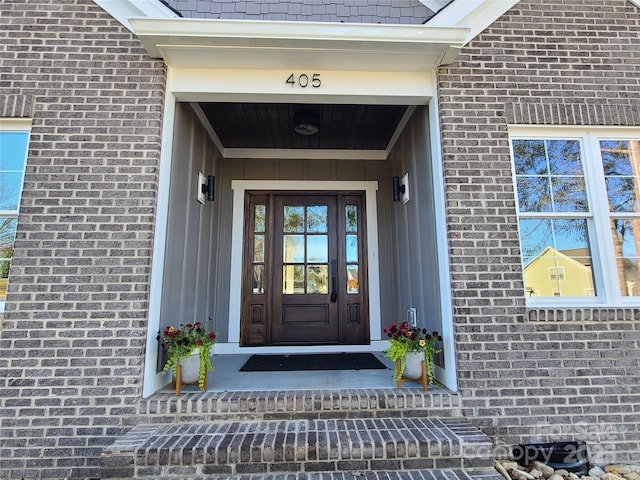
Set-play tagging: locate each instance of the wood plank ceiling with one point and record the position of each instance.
(271, 126)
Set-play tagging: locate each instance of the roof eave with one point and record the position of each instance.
(197, 43)
(476, 15)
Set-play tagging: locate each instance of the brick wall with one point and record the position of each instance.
(536, 375)
(348, 11)
(73, 337)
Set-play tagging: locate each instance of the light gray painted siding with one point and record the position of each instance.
(304, 169)
(414, 228)
(191, 257)
(405, 280)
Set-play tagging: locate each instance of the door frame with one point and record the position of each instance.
(333, 317)
(239, 187)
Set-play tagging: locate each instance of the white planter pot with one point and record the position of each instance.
(413, 370)
(190, 367)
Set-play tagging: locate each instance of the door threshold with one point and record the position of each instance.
(224, 349)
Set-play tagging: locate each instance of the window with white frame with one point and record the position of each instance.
(14, 138)
(579, 213)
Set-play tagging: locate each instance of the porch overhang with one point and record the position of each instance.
(250, 44)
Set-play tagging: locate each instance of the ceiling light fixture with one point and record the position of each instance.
(306, 122)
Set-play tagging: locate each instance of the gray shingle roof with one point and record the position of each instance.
(348, 11)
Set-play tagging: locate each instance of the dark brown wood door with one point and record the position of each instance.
(305, 255)
(304, 270)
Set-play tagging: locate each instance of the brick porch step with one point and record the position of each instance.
(195, 406)
(340, 446)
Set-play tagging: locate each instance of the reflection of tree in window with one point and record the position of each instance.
(293, 219)
(550, 178)
(7, 235)
(13, 153)
(620, 162)
(550, 181)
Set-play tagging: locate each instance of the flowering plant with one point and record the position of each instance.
(403, 339)
(181, 342)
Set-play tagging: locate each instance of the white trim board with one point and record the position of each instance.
(195, 43)
(476, 15)
(123, 10)
(154, 381)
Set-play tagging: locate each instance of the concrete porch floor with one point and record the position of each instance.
(227, 377)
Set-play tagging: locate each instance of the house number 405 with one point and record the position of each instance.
(303, 80)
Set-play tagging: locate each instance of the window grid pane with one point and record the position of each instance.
(305, 253)
(556, 250)
(549, 176)
(258, 268)
(351, 250)
(621, 167)
(13, 156)
(557, 257)
(626, 243)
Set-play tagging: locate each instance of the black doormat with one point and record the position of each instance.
(323, 361)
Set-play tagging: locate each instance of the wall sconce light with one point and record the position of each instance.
(207, 187)
(401, 188)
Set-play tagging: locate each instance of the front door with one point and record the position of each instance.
(304, 279)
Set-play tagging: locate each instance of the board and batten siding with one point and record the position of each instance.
(197, 263)
(413, 227)
(191, 269)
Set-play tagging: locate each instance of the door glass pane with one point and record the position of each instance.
(351, 218)
(352, 248)
(317, 248)
(626, 241)
(292, 279)
(353, 282)
(317, 279)
(317, 219)
(258, 248)
(293, 248)
(293, 219)
(258, 279)
(259, 219)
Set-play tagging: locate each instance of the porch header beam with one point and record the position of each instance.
(200, 43)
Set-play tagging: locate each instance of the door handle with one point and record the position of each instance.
(334, 281)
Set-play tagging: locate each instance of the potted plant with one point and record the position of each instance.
(186, 341)
(404, 339)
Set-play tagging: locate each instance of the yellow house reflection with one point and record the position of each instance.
(555, 274)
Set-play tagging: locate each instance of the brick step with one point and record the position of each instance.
(189, 450)
(444, 474)
(284, 404)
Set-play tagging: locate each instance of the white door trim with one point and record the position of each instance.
(154, 381)
(235, 296)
